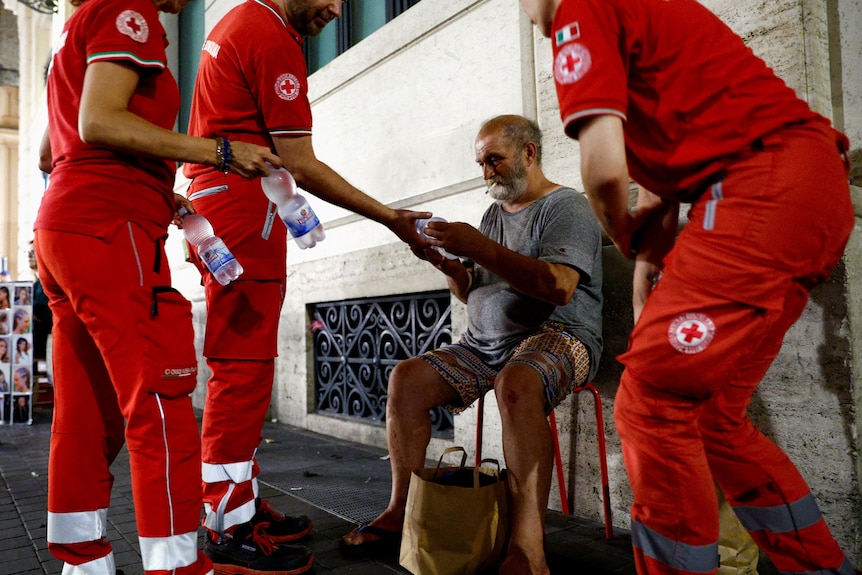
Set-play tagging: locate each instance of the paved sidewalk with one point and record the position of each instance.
(336, 483)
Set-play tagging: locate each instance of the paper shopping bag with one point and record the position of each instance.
(456, 520)
(737, 550)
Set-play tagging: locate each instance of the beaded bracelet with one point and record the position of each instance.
(224, 155)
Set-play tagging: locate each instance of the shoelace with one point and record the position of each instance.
(264, 506)
(266, 545)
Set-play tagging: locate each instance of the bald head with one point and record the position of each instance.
(516, 130)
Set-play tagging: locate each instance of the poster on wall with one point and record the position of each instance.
(16, 352)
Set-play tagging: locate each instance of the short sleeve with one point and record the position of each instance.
(589, 67)
(281, 90)
(570, 234)
(129, 31)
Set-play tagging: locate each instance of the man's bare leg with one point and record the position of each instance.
(414, 389)
(528, 449)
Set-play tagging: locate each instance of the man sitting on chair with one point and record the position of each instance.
(532, 280)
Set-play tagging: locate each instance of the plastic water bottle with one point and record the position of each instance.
(211, 249)
(421, 224)
(293, 209)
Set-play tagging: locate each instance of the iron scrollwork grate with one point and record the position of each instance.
(358, 342)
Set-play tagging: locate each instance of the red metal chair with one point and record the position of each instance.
(558, 459)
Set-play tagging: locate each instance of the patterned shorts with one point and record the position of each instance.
(559, 358)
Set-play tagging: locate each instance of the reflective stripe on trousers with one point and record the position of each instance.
(77, 527)
(675, 554)
(101, 566)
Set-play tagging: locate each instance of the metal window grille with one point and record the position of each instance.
(357, 343)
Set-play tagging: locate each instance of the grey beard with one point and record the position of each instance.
(510, 193)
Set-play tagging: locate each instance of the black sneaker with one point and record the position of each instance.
(280, 528)
(252, 552)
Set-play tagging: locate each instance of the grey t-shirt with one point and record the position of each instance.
(558, 228)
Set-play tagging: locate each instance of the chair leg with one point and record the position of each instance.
(558, 459)
(603, 458)
(558, 463)
(480, 423)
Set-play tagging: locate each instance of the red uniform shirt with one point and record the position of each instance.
(95, 189)
(689, 90)
(252, 85)
(252, 82)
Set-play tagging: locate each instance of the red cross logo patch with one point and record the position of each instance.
(133, 25)
(691, 332)
(287, 87)
(573, 61)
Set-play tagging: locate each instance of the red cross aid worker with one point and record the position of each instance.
(252, 86)
(698, 118)
(123, 351)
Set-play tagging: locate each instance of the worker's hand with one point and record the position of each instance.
(653, 230)
(645, 277)
(251, 160)
(181, 201)
(404, 226)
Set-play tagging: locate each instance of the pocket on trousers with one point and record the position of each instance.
(167, 334)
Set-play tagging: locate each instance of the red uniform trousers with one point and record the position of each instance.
(240, 342)
(738, 278)
(123, 349)
(238, 394)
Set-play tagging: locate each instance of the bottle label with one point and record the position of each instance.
(216, 256)
(301, 221)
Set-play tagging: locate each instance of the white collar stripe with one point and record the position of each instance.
(270, 8)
